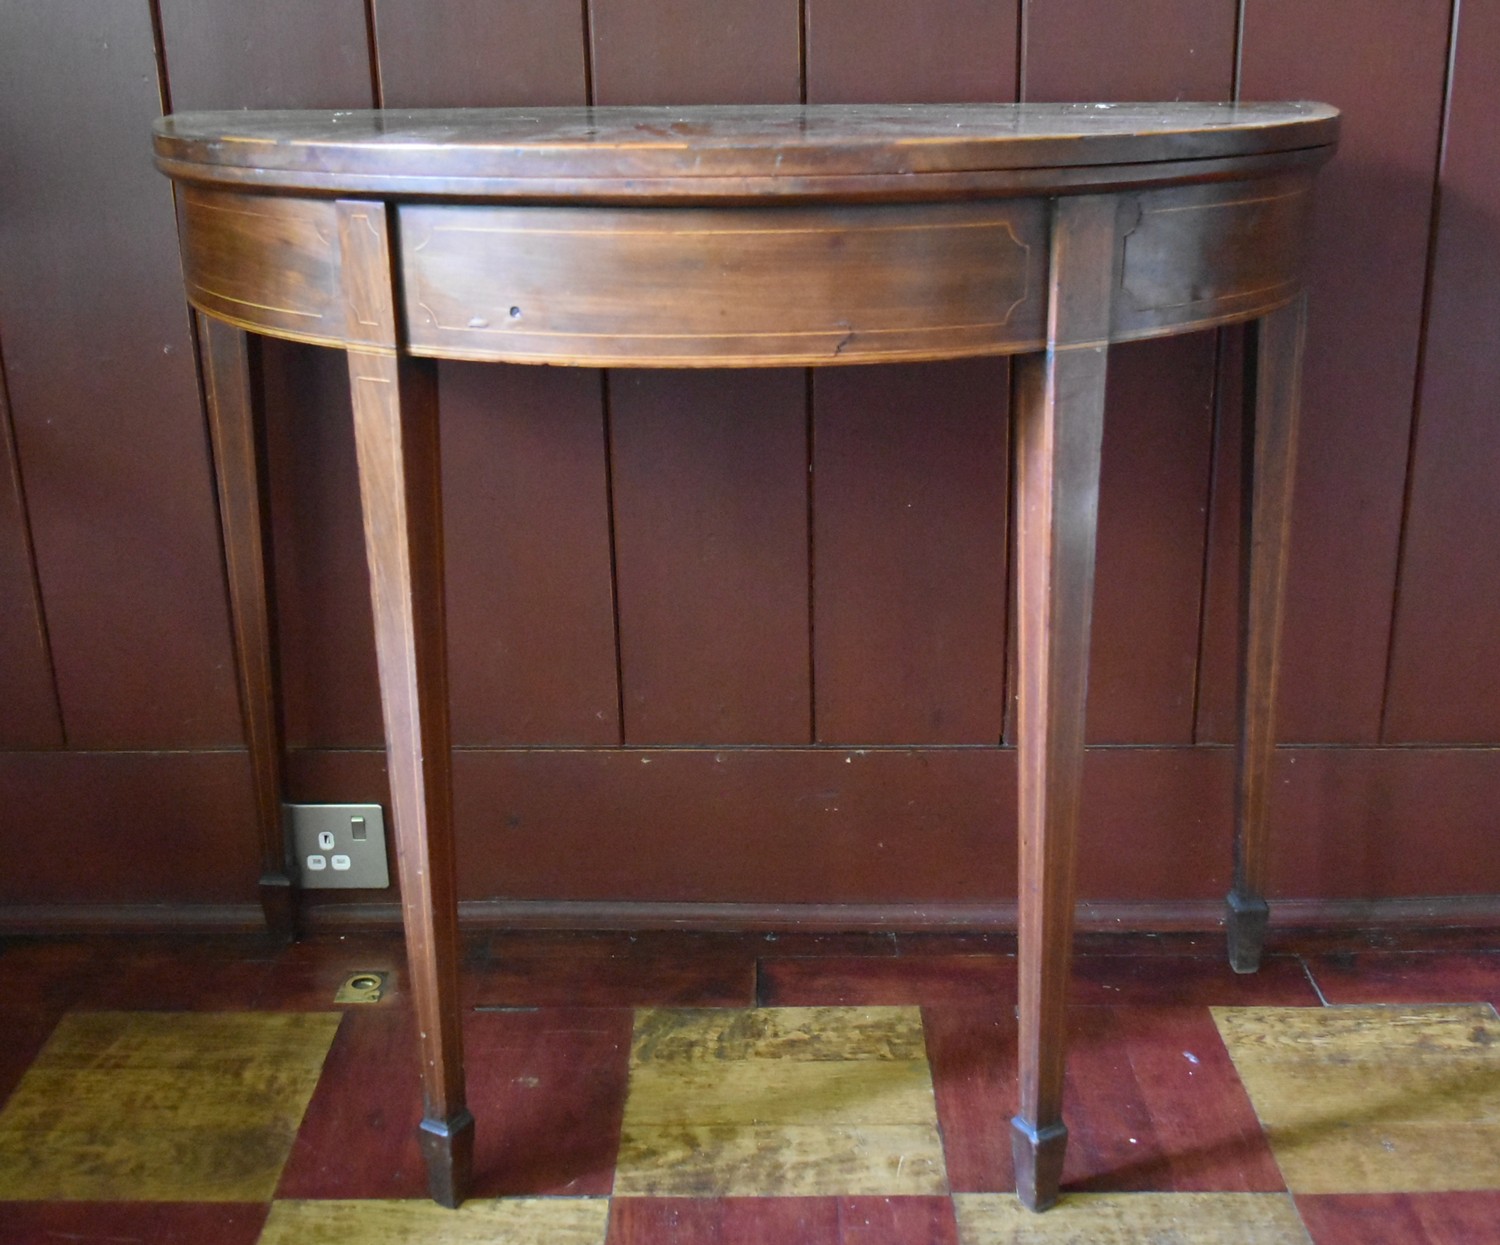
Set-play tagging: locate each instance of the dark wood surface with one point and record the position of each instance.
(726, 153)
(1353, 820)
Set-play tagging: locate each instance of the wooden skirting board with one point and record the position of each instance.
(1407, 912)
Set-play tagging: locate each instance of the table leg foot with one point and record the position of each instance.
(1038, 1155)
(448, 1149)
(1247, 931)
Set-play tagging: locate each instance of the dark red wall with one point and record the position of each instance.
(743, 636)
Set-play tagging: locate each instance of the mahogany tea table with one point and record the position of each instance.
(748, 237)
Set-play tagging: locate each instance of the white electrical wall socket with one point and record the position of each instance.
(338, 845)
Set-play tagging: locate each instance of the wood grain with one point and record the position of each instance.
(1059, 427)
(524, 1221)
(396, 435)
(1373, 1099)
(162, 1106)
(230, 377)
(831, 1101)
(1118, 1219)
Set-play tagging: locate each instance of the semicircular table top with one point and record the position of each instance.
(759, 150)
(750, 236)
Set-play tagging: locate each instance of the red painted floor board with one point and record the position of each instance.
(1403, 1218)
(547, 1087)
(138, 1223)
(1142, 1114)
(1408, 976)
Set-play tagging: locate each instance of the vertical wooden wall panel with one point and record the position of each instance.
(266, 54)
(1158, 425)
(909, 518)
(29, 713)
(710, 470)
(1445, 671)
(127, 828)
(1218, 650)
(912, 51)
(1382, 62)
(324, 628)
(910, 463)
(710, 494)
(1129, 49)
(531, 632)
(103, 392)
(1153, 495)
(696, 51)
(530, 607)
(480, 53)
(284, 54)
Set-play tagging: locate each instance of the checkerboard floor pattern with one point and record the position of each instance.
(738, 1089)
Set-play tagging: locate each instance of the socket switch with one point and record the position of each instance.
(338, 845)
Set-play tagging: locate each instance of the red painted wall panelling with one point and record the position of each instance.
(225, 54)
(910, 51)
(1445, 672)
(910, 463)
(531, 629)
(695, 51)
(1129, 49)
(710, 497)
(103, 393)
(1382, 62)
(127, 827)
(29, 716)
(909, 520)
(267, 54)
(480, 53)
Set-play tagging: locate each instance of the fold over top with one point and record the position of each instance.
(896, 151)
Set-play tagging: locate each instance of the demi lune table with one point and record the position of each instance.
(735, 237)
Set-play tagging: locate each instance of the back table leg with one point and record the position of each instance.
(231, 385)
(1273, 383)
(1059, 424)
(396, 439)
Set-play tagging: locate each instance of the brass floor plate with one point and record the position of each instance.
(361, 987)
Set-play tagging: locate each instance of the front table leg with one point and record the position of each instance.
(396, 439)
(1059, 424)
(1273, 384)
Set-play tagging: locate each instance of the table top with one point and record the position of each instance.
(907, 151)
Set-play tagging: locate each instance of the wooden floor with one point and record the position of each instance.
(671, 1089)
